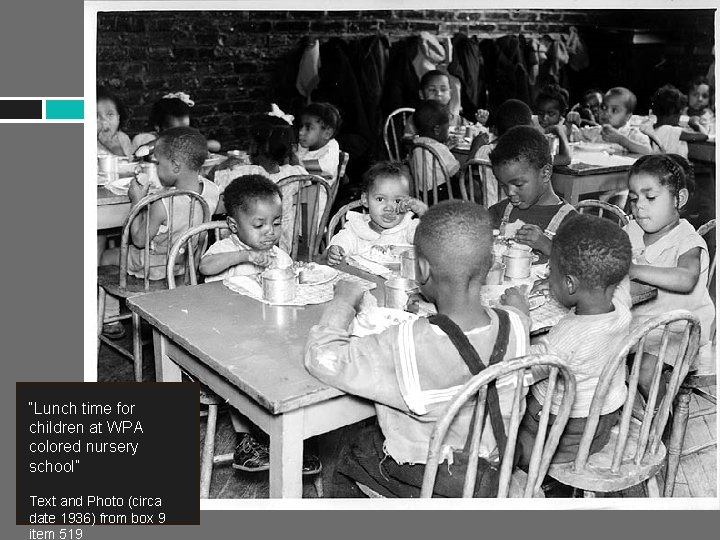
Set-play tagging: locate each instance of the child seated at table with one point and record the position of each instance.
(111, 117)
(552, 105)
(667, 104)
(173, 110)
(453, 246)
(617, 108)
(588, 108)
(589, 260)
(667, 253)
(432, 122)
(700, 106)
(522, 163)
(180, 152)
(435, 86)
(253, 204)
(389, 220)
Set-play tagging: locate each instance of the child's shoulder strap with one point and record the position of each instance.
(506, 213)
(558, 218)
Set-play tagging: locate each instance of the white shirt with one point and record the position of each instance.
(357, 237)
(233, 244)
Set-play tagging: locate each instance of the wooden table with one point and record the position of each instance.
(572, 181)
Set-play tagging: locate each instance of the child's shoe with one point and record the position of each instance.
(251, 455)
(114, 330)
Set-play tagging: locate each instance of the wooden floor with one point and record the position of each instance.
(696, 477)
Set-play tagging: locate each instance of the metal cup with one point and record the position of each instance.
(398, 291)
(108, 165)
(407, 264)
(517, 263)
(496, 274)
(278, 285)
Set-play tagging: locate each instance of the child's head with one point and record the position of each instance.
(511, 113)
(617, 107)
(700, 94)
(319, 123)
(521, 161)
(658, 190)
(111, 113)
(273, 140)
(254, 210)
(179, 151)
(435, 86)
(592, 99)
(385, 184)
(552, 104)
(432, 120)
(589, 253)
(453, 243)
(169, 112)
(668, 102)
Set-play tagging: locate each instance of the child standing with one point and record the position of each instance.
(453, 247)
(180, 153)
(617, 108)
(590, 258)
(667, 253)
(522, 163)
(667, 104)
(111, 116)
(700, 106)
(389, 221)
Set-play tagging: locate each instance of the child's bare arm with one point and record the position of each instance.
(534, 236)
(211, 265)
(563, 155)
(156, 216)
(680, 279)
(610, 134)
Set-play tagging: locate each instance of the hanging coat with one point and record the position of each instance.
(468, 66)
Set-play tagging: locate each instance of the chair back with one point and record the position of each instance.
(311, 198)
(651, 429)
(198, 211)
(603, 209)
(474, 180)
(474, 393)
(703, 231)
(341, 178)
(194, 243)
(339, 219)
(428, 170)
(393, 132)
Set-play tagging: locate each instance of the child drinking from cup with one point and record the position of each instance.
(589, 260)
(453, 248)
(521, 161)
(390, 218)
(667, 253)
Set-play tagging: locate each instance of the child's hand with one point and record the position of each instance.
(349, 291)
(573, 117)
(137, 191)
(516, 298)
(335, 255)
(541, 286)
(264, 258)
(482, 116)
(610, 134)
(416, 206)
(533, 236)
(553, 129)
(694, 122)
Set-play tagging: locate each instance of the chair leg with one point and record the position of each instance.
(137, 347)
(100, 317)
(318, 482)
(677, 436)
(206, 463)
(589, 494)
(651, 484)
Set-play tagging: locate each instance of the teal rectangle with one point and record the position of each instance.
(66, 109)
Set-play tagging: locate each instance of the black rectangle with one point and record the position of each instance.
(21, 109)
(107, 454)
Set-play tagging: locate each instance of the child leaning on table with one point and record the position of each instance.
(667, 104)
(521, 161)
(700, 107)
(617, 107)
(589, 260)
(412, 370)
(390, 219)
(180, 153)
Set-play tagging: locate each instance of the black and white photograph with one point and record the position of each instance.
(414, 253)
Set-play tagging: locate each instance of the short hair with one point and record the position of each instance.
(183, 144)
(511, 113)
(668, 100)
(274, 138)
(327, 113)
(428, 115)
(383, 169)
(591, 92)
(246, 190)
(554, 92)
(593, 249)
(522, 142)
(698, 80)
(456, 238)
(629, 99)
(664, 168)
(164, 109)
(430, 75)
(103, 93)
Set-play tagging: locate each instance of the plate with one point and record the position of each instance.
(315, 274)
(386, 255)
(378, 320)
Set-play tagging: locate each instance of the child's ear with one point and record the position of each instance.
(572, 284)
(682, 197)
(423, 267)
(232, 224)
(364, 199)
(328, 133)
(175, 166)
(546, 172)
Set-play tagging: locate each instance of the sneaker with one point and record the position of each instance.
(114, 330)
(251, 455)
(311, 464)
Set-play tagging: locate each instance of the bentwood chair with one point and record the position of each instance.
(393, 132)
(191, 209)
(475, 183)
(635, 452)
(337, 222)
(474, 394)
(429, 172)
(603, 209)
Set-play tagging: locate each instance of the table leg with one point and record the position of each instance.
(286, 454)
(165, 369)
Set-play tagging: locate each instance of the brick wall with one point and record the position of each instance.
(227, 61)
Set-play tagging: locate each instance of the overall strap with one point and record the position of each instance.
(471, 357)
(506, 214)
(557, 219)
